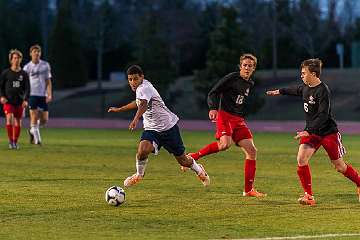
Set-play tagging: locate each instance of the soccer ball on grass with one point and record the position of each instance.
(115, 196)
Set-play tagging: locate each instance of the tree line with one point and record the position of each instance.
(86, 39)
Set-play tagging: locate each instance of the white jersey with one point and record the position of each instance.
(38, 73)
(157, 116)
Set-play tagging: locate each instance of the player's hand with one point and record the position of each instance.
(24, 104)
(113, 109)
(133, 124)
(273, 92)
(213, 115)
(3, 100)
(48, 98)
(302, 134)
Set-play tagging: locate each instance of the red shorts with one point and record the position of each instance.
(331, 143)
(16, 110)
(231, 125)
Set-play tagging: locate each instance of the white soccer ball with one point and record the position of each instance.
(115, 196)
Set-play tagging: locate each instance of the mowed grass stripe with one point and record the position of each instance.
(57, 191)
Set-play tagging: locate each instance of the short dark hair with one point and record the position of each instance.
(314, 65)
(134, 69)
(36, 46)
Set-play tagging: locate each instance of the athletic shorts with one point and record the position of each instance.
(38, 102)
(170, 139)
(18, 111)
(331, 143)
(231, 125)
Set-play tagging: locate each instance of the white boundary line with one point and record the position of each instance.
(303, 237)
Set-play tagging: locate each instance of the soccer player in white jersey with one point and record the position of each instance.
(160, 128)
(40, 92)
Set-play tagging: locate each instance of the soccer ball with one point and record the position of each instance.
(115, 196)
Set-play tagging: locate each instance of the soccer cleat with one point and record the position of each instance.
(132, 180)
(16, 146)
(32, 140)
(203, 176)
(358, 192)
(307, 199)
(254, 193)
(11, 145)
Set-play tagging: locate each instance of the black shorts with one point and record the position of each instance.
(37, 102)
(170, 139)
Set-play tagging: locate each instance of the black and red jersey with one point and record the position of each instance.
(230, 94)
(14, 86)
(319, 119)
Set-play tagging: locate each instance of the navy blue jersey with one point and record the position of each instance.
(319, 119)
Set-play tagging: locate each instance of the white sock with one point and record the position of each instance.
(37, 129)
(33, 131)
(140, 166)
(195, 167)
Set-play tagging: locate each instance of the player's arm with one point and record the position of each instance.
(3, 99)
(48, 90)
(213, 98)
(292, 91)
(26, 90)
(124, 108)
(142, 107)
(322, 114)
(48, 84)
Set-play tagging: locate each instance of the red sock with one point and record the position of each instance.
(9, 129)
(208, 149)
(249, 169)
(17, 130)
(305, 178)
(352, 174)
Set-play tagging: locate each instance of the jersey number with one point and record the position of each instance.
(240, 99)
(306, 109)
(16, 84)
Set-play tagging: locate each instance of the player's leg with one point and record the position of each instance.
(10, 129)
(188, 162)
(43, 116)
(172, 142)
(305, 152)
(18, 115)
(249, 149)
(149, 143)
(223, 134)
(333, 146)
(17, 130)
(34, 113)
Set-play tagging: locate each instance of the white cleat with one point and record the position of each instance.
(203, 176)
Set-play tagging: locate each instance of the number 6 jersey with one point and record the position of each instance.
(316, 100)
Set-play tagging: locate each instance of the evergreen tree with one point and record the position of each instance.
(153, 51)
(66, 57)
(227, 44)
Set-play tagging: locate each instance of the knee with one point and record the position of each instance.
(224, 145)
(302, 161)
(43, 122)
(340, 167)
(143, 153)
(251, 152)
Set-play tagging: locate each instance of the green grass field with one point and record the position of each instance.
(57, 191)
